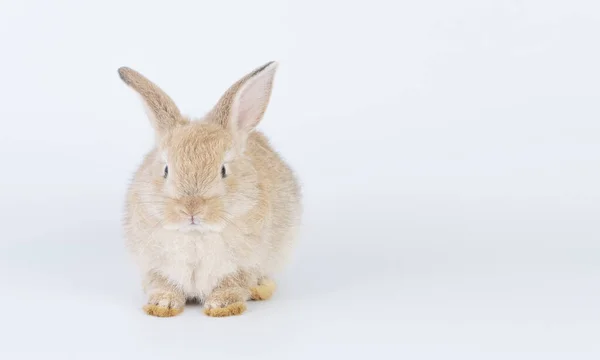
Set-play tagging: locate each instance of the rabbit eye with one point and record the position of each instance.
(166, 172)
(223, 172)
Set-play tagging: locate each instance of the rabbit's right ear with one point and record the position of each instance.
(164, 114)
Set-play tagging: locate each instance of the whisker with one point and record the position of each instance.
(230, 223)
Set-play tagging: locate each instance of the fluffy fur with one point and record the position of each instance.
(194, 233)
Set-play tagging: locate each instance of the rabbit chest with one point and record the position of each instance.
(197, 262)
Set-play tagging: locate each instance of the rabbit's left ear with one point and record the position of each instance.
(242, 107)
(162, 111)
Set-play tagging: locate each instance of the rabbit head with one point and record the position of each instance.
(198, 178)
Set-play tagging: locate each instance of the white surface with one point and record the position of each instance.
(450, 153)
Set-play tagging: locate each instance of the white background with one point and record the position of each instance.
(449, 151)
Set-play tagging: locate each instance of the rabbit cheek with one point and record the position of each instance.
(172, 213)
(214, 211)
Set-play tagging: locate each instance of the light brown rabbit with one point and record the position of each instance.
(213, 211)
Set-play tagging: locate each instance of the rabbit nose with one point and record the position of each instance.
(192, 207)
(192, 211)
(189, 212)
(192, 216)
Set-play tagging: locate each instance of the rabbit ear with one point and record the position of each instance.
(163, 113)
(242, 107)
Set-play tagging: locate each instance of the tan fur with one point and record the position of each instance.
(161, 311)
(195, 234)
(229, 310)
(263, 291)
(165, 304)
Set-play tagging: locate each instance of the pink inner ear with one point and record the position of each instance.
(253, 99)
(246, 111)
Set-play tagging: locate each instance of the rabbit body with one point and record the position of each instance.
(213, 210)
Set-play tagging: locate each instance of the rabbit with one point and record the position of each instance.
(213, 211)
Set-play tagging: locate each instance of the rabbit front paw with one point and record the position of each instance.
(264, 290)
(225, 303)
(165, 304)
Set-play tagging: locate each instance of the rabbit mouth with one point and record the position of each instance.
(190, 227)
